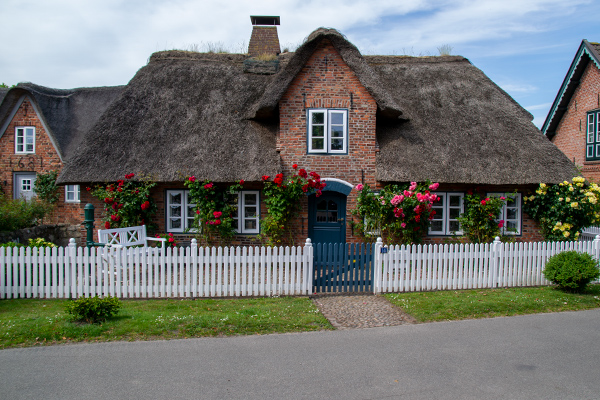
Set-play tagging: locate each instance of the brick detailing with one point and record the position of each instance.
(264, 40)
(44, 160)
(570, 135)
(326, 81)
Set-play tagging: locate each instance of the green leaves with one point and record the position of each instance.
(45, 187)
(563, 210)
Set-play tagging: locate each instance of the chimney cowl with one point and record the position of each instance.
(264, 39)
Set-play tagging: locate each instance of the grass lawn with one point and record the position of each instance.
(29, 322)
(484, 303)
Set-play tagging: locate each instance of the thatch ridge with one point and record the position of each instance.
(267, 105)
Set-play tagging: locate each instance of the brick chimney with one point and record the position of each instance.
(264, 39)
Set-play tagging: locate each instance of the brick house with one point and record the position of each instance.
(353, 119)
(39, 129)
(573, 123)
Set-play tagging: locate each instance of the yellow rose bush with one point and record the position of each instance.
(563, 210)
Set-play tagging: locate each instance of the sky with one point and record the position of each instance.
(524, 46)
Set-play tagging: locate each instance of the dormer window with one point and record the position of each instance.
(328, 131)
(25, 140)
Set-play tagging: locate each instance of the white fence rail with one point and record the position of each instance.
(148, 273)
(588, 234)
(467, 266)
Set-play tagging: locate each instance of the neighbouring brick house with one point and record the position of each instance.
(40, 128)
(573, 123)
(352, 118)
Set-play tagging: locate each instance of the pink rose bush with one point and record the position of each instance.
(403, 214)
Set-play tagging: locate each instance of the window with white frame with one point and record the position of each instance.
(180, 211)
(447, 210)
(328, 131)
(248, 212)
(25, 140)
(72, 194)
(592, 149)
(510, 213)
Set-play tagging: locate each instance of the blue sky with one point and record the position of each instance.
(525, 46)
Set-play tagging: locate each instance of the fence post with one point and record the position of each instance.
(72, 268)
(308, 270)
(378, 265)
(194, 267)
(596, 247)
(496, 262)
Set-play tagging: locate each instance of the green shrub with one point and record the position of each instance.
(19, 214)
(93, 309)
(45, 187)
(12, 244)
(39, 242)
(571, 270)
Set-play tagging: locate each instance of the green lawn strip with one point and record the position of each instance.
(29, 322)
(484, 303)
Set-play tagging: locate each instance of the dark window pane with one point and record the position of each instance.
(318, 144)
(318, 118)
(337, 144)
(318, 131)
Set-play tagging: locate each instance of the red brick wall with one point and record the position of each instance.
(327, 82)
(570, 135)
(44, 160)
(264, 40)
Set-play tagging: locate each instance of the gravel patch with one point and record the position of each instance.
(360, 311)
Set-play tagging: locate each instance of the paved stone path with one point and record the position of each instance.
(360, 311)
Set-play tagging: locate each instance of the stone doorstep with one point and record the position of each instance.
(360, 311)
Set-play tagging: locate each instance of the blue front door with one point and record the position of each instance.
(327, 218)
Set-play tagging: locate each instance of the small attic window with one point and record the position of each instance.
(25, 140)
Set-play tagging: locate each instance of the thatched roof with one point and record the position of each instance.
(438, 118)
(463, 128)
(588, 52)
(67, 114)
(182, 114)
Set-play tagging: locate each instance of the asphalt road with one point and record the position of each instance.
(543, 356)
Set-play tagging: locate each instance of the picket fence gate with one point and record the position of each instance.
(147, 272)
(468, 266)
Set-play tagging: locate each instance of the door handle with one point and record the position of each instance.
(340, 220)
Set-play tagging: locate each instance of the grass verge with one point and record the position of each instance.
(485, 303)
(30, 322)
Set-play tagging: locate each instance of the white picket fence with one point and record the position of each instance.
(195, 271)
(468, 266)
(190, 272)
(588, 234)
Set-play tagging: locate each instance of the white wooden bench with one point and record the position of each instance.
(126, 237)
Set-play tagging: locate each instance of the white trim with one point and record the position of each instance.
(241, 206)
(75, 190)
(338, 180)
(327, 129)
(25, 130)
(445, 207)
(504, 211)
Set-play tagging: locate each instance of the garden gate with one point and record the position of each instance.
(343, 267)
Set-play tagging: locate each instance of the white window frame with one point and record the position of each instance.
(240, 217)
(185, 216)
(74, 191)
(21, 134)
(327, 129)
(592, 149)
(504, 211)
(445, 231)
